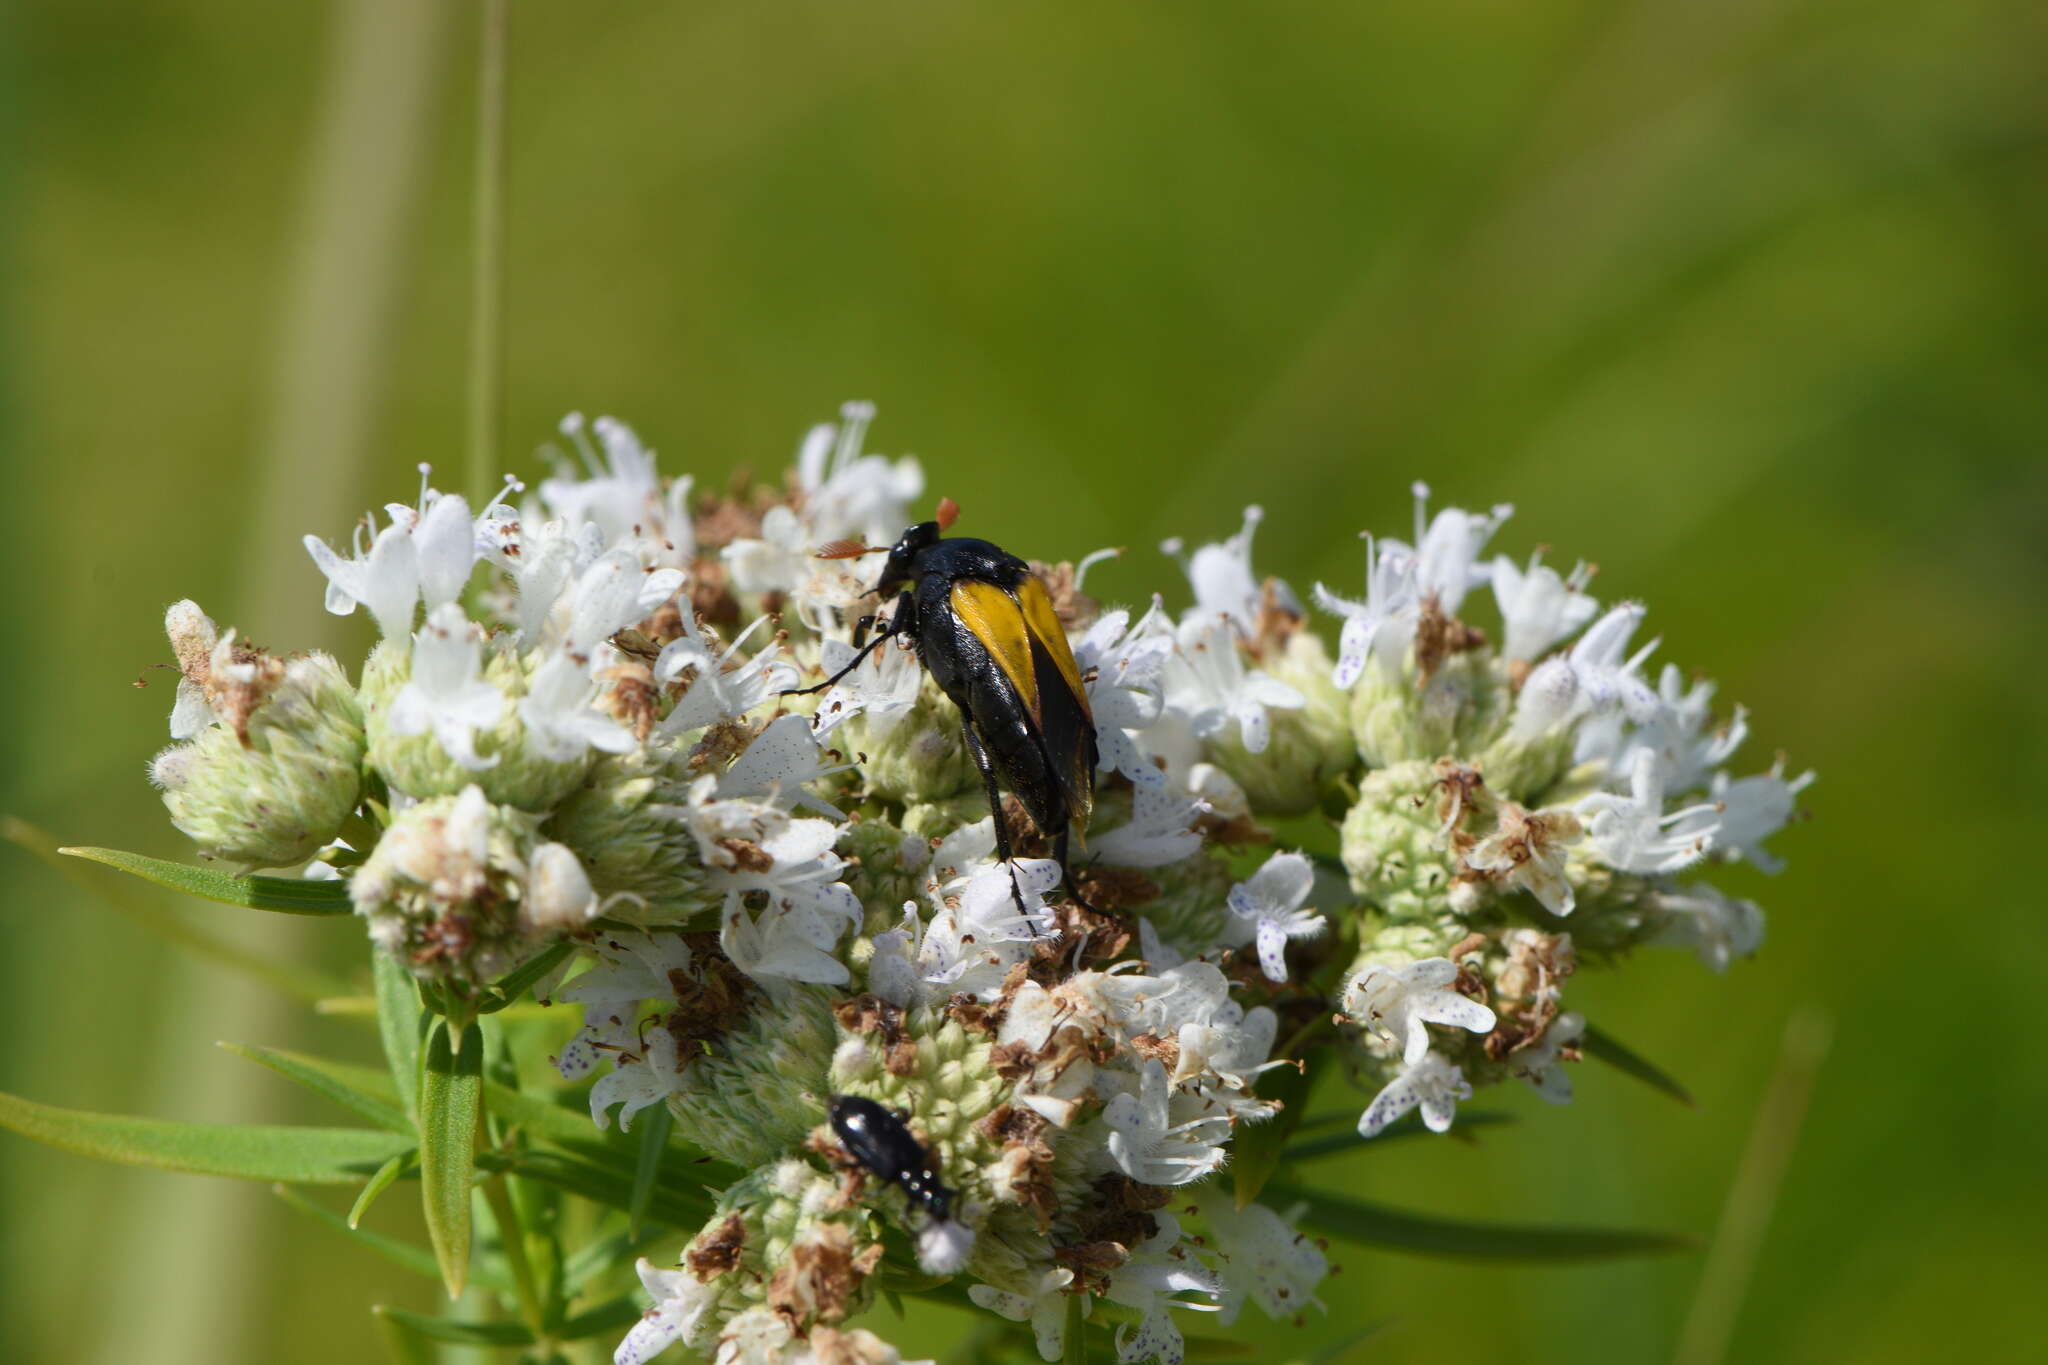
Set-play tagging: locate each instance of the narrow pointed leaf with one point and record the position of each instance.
(417, 1259)
(398, 1024)
(381, 1182)
(1329, 1144)
(364, 1092)
(607, 1319)
(539, 1117)
(507, 990)
(287, 978)
(656, 1123)
(460, 1333)
(288, 895)
(306, 1156)
(407, 1346)
(1256, 1152)
(450, 1093)
(1604, 1047)
(1428, 1235)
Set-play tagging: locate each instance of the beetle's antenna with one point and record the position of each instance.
(847, 549)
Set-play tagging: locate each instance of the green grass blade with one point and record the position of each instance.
(398, 1024)
(407, 1346)
(358, 1089)
(1329, 1144)
(381, 1182)
(451, 1092)
(1603, 1046)
(507, 990)
(417, 1259)
(304, 1156)
(287, 978)
(286, 895)
(607, 1319)
(1255, 1155)
(459, 1333)
(1428, 1235)
(656, 1123)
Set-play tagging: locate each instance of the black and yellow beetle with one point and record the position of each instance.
(985, 629)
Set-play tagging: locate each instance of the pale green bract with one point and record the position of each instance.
(570, 771)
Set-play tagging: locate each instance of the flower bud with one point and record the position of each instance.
(1306, 746)
(913, 756)
(1395, 843)
(463, 891)
(1396, 718)
(625, 824)
(273, 797)
(515, 772)
(752, 1091)
(885, 868)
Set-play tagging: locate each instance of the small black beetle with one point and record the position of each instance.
(880, 1142)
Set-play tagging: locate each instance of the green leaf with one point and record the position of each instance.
(407, 1346)
(305, 1156)
(1428, 1235)
(358, 1089)
(381, 1182)
(288, 895)
(1308, 1149)
(606, 1319)
(677, 1207)
(287, 978)
(507, 989)
(417, 1259)
(540, 1117)
(1603, 1046)
(461, 1333)
(450, 1094)
(398, 1023)
(656, 1123)
(1256, 1152)
(1076, 1352)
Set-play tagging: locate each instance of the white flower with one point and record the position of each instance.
(1265, 1259)
(851, 495)
(621, 494)
(1399, 1003)
(561, 723)
(645, 1075)
(1231, 1045)
(1754, 808)
(1633, 834)
(1146, 1142)
(777, 561)
(1715, 925)
(1268, 909)
(1043, 1304)
(1390, 598)
(427, 551)
(1159, 1271)
(558, 891)
(1160, 831)
(612, 594)
(1121, 670)
(1208, 682)
(884, 686)
(1527, 850)
(748, 848)
(1223, 581)
(1542, 1066)
(1686, 750)
(1432, 1083)
(1607, 677)
(943, 1245)
(680, 1302)
(445, 693)
(1538, 607)
(778, 763)
(1447, 551)
(718, 687)
(757, 1336)
(630, 968)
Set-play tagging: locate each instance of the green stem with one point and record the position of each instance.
(487, 290)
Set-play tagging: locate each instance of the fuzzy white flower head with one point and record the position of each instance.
(1268, 909)
(1431, 1083)
(445, 695)
(1399, 1003)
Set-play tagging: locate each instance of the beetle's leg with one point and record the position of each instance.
(902, 621)
(995, 807)
(1059, 851)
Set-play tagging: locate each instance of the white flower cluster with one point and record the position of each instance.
(595, 741)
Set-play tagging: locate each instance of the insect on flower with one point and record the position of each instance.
(879, 1141)
(985, 629)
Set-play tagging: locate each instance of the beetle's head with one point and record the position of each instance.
(901, 566)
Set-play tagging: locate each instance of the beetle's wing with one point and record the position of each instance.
(996, 621)
(1064, 720)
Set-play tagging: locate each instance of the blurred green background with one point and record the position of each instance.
(1743, 300)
